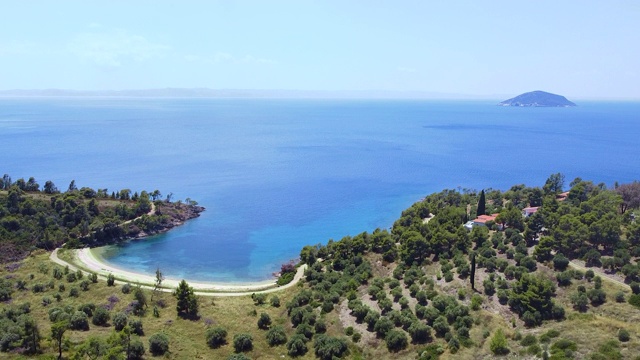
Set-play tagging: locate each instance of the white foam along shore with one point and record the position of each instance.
(87, 261)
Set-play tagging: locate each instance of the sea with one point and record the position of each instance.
(277, 174)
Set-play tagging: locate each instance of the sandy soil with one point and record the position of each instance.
(89, 263)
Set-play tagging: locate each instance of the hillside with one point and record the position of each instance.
(559, 283)
(538, 99)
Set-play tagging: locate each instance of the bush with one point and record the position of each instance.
(100, 316)
(623, 335)
(258, 299)
(327, 347)
(111, 280)
(120, 321)
(74, 292)
(383, 326)
(79, 321)
(238, 357)
(136, 327)
(216, 337)
(126, 288)
(564, 278)
(498, 344)
(420, 332)
(476, 301)
(620, 297)
(243, 342)
(88, 308)
(275, 301)
(560, 262)
(297, 345)
(396, 340)
(158, 344)
(597, 297)
(635, 287)
(529, 340)
(136, 349)
(276, 336)
(264, 321)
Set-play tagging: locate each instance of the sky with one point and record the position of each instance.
(580, 49)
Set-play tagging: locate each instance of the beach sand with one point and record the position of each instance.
(85, 260)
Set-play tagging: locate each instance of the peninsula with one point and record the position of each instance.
(538, 99)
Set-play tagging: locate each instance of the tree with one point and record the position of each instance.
(630, 194)
(328, 347)
(187, 302)
(158, 344)
(554, 184)
(481, 204)
(72, 186)
(297, 345)
(264, 321)
(396, 340)
(499, 344)
(276, 336)
(50, 188)
(216, 337)
(57, 334)
(472, 278)
(243, 342)
(158, 282)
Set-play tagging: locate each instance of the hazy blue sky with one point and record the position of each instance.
(575, 48)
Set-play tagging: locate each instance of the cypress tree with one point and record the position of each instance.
(481, 204)
(473, 271)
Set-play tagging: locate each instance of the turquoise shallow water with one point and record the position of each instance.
(276, 175)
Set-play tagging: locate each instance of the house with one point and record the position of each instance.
(480, 221)
(528, 211)
(562, 196)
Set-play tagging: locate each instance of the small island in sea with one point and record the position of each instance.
(538, 99)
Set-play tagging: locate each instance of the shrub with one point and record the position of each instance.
(136, 327)
(327, 347)
(216, 337)
(100, 316)
(320, 327)
(258, 299)
(126, 288)
(264, 321)
(243, 342)
(383, 326)
(158, 344)
(476, 301)
(71, 277)
(597, 296)
(528, 340)
(275, 301)
(136, 349)
(420, 332)
(238, 357)
(635, 287)
(356, 337)
(74, 292)
(498, 344)
(120, 321)
(297, 345)
(111, 280)
(88, 308)
(276, 336)
(564, 278)
(620, 297)
(79, 321)
(396, 340)
(560, 262)
(623, 335)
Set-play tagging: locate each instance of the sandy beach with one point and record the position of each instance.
(85, 260)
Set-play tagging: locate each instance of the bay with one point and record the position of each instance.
(276, 175)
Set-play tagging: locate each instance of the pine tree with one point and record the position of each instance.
(482, 207)
(187, 302)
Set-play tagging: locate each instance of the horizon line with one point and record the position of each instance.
(204, 92)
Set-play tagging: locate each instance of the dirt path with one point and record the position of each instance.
(91, 265)
(600, 273)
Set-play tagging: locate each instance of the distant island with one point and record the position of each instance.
(538, 99)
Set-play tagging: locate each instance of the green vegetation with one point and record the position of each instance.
(423, 289)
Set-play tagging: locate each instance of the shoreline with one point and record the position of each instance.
(85, 260)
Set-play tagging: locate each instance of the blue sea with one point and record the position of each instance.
(275, 175)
